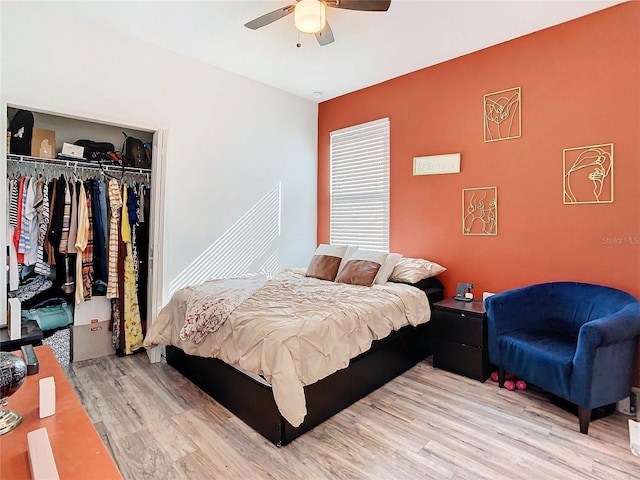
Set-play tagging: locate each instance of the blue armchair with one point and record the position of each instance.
(575, 340)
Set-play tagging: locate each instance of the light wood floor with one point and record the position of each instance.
(426, 424)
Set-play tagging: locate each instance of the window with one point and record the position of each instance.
(360, 185)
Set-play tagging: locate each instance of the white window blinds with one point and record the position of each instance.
(360, 185)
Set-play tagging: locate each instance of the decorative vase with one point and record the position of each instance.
(12, 374)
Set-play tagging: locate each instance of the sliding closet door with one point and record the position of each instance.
(156, 234)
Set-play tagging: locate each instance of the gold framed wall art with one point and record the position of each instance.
(587, 174)
(480, 211)
(502, 115)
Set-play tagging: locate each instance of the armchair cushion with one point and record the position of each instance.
(542, 357)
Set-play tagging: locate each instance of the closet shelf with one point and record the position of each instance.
(77, 164)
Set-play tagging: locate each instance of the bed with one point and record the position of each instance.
(249, 381)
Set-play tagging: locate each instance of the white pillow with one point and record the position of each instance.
(387, 268)
(412, 270)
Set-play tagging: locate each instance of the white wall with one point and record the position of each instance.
(232, 142)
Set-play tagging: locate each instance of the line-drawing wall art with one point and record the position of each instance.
(588, 174)
(480, 211)
(502, 115)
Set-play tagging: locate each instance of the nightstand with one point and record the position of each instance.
(460, 345)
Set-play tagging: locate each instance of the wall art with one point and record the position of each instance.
(480, 211)
(588, 174)
(436, 164)
(502, 115)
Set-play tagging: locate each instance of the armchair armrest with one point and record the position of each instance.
(617, 327)
(605, 356)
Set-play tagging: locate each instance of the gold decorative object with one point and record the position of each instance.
(502, 115)
(588, 174)
(480, 211)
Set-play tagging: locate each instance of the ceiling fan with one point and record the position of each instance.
(310, 15)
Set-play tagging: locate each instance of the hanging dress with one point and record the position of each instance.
(42, 207)
(30, 225)
(49, 238)
(87, 253)
(131, 313)
(14, 275)
(115, 202)
(82, 240)
(67, 240)
(18, 238)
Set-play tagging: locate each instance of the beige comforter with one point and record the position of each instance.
(296, 330)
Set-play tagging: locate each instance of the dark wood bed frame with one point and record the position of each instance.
(253, 403)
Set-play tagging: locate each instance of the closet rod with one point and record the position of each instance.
(75, 164)
(81, 168)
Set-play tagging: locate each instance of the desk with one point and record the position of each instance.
(76, 445)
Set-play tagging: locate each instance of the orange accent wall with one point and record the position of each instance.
(580, 86)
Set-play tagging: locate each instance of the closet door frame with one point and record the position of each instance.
(3, 217)
(154, 292)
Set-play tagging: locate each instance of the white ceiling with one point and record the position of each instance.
(370, 47)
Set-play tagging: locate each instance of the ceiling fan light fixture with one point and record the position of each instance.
(310, 16)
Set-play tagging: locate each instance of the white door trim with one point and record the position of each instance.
(155, 292)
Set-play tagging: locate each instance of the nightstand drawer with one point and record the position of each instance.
(467, 360)
(459, 327)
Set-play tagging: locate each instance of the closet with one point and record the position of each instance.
(91, 234)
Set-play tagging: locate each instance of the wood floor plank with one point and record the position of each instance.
(217, 445)
(175, 443)
(507, 454)
(425, 424)
(139, 456)
(465, 467)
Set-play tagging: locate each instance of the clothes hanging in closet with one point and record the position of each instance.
(63, 228)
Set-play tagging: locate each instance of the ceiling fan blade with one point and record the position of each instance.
(365, 5)
(269, 17)
(325, 36)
